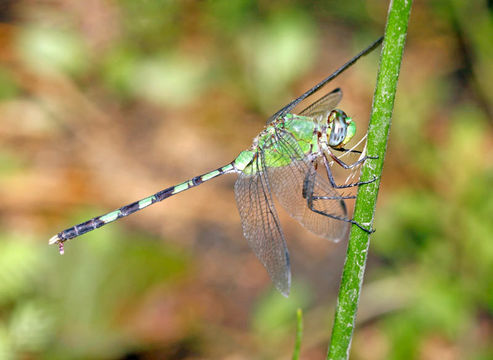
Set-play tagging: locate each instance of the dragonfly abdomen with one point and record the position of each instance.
(129, 209)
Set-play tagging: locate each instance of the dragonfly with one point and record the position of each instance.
(282, 162)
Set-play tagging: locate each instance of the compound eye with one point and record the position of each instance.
(332, 116)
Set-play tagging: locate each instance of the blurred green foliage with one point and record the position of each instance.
(436, 238)
(8, 88)
(97, 99)
(53, 50)
(84, 295)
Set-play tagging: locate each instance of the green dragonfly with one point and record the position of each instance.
(282, 161)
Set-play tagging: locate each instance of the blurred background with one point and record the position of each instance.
(104, 102)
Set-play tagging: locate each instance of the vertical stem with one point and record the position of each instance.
(378, 131)
(299, 334)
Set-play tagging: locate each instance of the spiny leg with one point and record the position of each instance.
(349, 197)
(309, 188)
(344, 150)
(332, 180)
(347, 150)
(308, 182)
(348, 166)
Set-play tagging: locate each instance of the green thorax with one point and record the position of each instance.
(276, 149)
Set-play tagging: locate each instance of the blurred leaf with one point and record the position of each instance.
(275, 54)
(273, 318)
(442, 306)
(6, 350)
(47, 50)
(415, 217)
(8, 86)
(10, 163)
(31, 326)
(404, 336)
(152, 24)
(20, 265)
(173, 81)
(228, 17)
(119, 66)
(99, 277)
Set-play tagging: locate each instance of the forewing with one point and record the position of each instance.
(319, 107)
(261, 226)
(324, 105)
(287, 184)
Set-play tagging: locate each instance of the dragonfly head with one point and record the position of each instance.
(341, 128)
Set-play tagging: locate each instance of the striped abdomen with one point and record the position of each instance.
(129, 209)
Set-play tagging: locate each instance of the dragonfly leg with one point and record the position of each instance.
(348, 166)
(356, 152)
(334, 197)
(332, 181)
(310, 197)
(348, 150)
(309, 184)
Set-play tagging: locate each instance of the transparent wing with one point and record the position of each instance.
(261, 226)
(319, 107)
(323, 105)
(288, 182)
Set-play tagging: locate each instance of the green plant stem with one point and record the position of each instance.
(378, 130)
(299, 334)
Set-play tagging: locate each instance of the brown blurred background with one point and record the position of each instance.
(103, 102)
